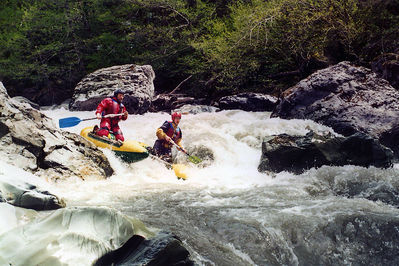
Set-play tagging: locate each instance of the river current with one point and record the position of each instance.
(228, 213)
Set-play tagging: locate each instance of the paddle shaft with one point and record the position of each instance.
(73, 121)
(178, 147)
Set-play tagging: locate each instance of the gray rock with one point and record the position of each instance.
(348, 99)
(256, 102)
(136, 81)
(25, 195)
(29, 103)
(299, 153)
(196, 109)
(31, 141)
(163, 249)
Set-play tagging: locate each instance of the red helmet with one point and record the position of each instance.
(176, 114)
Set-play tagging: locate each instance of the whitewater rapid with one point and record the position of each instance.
(228, 213)
(234, 138)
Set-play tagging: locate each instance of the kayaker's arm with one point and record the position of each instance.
(161, 134)
(161, 131)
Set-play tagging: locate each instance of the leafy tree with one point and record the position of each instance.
(225, 46)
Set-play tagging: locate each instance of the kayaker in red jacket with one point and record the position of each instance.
(169, 130)
(112, 105)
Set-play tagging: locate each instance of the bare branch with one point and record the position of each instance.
(178, 86)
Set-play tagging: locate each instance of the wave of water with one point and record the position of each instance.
(228, 213)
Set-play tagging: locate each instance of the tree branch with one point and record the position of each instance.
(178, 86)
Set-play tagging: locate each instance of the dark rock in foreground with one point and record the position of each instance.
(347, 98)
(163, 249)
(299, 153)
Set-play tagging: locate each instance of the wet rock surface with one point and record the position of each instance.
(299, 153)
(348, 99)
(163, 249)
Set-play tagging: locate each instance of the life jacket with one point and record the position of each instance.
(174, 133)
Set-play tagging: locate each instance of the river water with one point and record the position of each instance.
(227, 213)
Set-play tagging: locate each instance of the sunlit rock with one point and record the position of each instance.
(136, 81)
(299, 153)
(31, 141)
(347, 98)
(26, 101)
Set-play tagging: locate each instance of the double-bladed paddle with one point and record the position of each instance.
(73, 121)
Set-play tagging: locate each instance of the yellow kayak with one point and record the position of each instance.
(180, 170)
(130, 150)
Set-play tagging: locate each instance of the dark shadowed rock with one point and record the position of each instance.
(387, 66)
(163, 249)
(136, 81)
(168, 102)
(299, 153)
(31, 141)
(256, 102)
(347, 98)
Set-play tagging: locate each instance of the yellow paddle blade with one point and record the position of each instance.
(180, 170)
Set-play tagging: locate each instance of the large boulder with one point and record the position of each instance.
(31, 141)
(136, 81)
(347, 98)
(299, 153)
(250, 101)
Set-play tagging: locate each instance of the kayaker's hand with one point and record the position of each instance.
(167, 138)
(99, 116)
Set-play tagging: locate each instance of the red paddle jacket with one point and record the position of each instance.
(111, 106)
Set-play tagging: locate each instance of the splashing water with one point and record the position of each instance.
(228, 213)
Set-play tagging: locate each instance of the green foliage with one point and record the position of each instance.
(226, 45)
